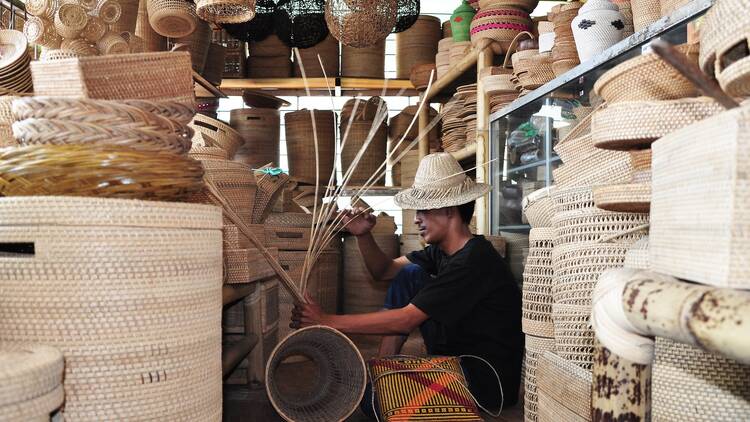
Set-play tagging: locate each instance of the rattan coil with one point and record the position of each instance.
(538, 207)
(226, 11)
(360, 23)
(535, 348)
(172, 18)
(691, 384)
(164, 259)
(217, 134)
(577, 267)
(536, 311)
(636, 124)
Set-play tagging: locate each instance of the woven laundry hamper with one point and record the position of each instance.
(236, 181)
(300, 141)
(145, 76)
(535, 348)
(698, 196)
(260, 131)
(334, 393)
(215, 133)
(323, 284)
(153, 41)
(357, 134)
(537, 284)
(31, 376)
(361, 293)
(198, 43)
(539, 208)
(724, 47)
(691, 384)
(564, 390)
(367, 62)
(598, 26)
(328, 49)
(172, 18)
(417, 45)
(152, 349)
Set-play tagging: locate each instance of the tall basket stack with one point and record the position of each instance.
(564, 51)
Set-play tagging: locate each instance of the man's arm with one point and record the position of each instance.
(380, 266)
(388, 322)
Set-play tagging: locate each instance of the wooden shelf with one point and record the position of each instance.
(464, 72)
(465, 153)
(317, 86)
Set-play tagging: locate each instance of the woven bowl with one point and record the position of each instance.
(420, 76)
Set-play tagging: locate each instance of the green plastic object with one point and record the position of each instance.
(461, 22)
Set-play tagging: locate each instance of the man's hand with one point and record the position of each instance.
(308, 314)
(358, 221)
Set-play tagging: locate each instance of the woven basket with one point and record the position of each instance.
(565, 383)
(598, 167)
(236, 182)
(215, 63)
(535, 348)
(153, 41)
(341, 383)
(577, 267)
(499, 26)
(328, 49)
(637, 255)
(574, 337)
(537, 284)
(417, 45)
(128, 17)
(691, 384)
(645, 12)
(164, 257)
(539, 208)
(215, 133)
(271, 46)
(724, 46)
(225, 11)
(269, 67)
(198, 43)
(361, 292)
(111, 43)
(364, 110)
(41, 8)
(360, 23)
(593, 225)
(32, 381)
(172, 18)
(109, 11)
(371, 159)
(207, 153)
(70, 20)
(147, 76)
(41, 31)
(259, 128)
(635, 125)
(301, 146)
(628, 197)
(368, 62)
(646, 77)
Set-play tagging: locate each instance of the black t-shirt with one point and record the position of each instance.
(474, 306)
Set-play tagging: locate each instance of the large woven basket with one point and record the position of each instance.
(691, 384)
(215, 133)
(172, 18)
(564, 390)
(342, 376)
(535, 348)
(361, 292)
(367, 62)
(328, 49)
(645, 12)
(153, 41)
(32, 382)
(131, 355)
(536, 310)
(372, 157)
(259, 128)
(198, 42)
(146, 76)
(417, 45)
(301, 146)
(236, 182)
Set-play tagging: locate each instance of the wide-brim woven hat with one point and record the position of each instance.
(440, 182)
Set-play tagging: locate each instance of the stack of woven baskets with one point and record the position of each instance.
(328, 50)
(363, 123)
(269, 58)
(15, 73)
(499, 85)
(459, 121)
(564, 52)
(303, 129)
(32, 382)
(499, 21)
(531, 69)
(443, 56)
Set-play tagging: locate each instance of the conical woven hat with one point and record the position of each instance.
(440, 182)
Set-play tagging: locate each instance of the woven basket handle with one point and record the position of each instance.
(513, 45)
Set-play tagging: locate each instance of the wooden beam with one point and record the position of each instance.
(469, 151)
(484, 60)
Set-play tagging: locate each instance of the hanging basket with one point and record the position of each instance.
(226, 11)
(172, 18)
(407, 12)
(360, 23)
(153, 41)
(70, 20)
(341, 383)
(257, 28)
(301, 23)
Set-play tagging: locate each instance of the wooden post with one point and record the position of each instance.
(621, 389)
(483, 131)
(424, 120)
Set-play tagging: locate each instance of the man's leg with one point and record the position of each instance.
(402, 290)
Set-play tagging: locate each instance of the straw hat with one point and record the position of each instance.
(440, 182)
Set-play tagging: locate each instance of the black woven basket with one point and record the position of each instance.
(407, 13)
(301, 23)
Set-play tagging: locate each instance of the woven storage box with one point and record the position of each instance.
(535, 348)
(698, 196)
(537, 284)
(328, 49)
(636, 124)
(368, 62)
(323, 284)
(215, 133)
(301, 146)
(691, 384)
(564, 390)
(146, 76)
(259, 128)
(236, 182)
(31, 377)
(357, 135)
(282, 236)
(163, 259)
(362, 293)
(417, 45)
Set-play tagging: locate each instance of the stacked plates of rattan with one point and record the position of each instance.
(637, 114)
(499, 21)
(123, 149)
(443, 56)
(15, 74)
(269, 58)
(531, 68)
(468, 93)
(564, 52)
(499, 86)
(31, 377)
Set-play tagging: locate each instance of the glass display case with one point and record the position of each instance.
(523, 135)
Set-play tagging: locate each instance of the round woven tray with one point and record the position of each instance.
(537, 284)
(630, 197)
(636, 124)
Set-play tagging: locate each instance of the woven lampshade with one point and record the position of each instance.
(407, 12)
(301, 23)
(360, 23)
(259, 27)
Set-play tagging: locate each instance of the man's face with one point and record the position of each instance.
(432, 224)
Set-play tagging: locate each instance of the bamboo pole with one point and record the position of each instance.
(621, 389)
(483, 130)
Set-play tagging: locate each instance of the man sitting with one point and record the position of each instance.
(458, 290)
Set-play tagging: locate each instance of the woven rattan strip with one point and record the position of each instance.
(537, 284)
(574, 337)
(565, 383)
(535, 348)
(691, 384)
